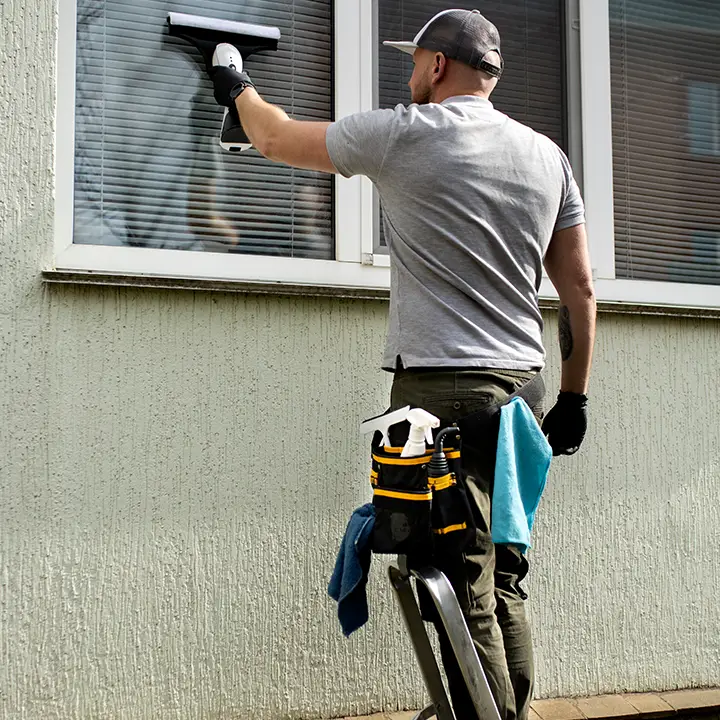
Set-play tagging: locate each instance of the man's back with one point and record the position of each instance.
(470, 200)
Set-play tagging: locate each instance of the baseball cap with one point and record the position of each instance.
(463, 35)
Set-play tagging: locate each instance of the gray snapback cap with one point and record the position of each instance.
(463, 35)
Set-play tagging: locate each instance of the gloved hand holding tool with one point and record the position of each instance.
(229, 80)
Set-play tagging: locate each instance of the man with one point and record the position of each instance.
(473, 203)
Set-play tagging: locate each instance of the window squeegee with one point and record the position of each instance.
(224, 42)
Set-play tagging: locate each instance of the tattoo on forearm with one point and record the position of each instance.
(565, 333)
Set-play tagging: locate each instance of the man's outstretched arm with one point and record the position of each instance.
(568, 266)
(276, 136)
(270, 130)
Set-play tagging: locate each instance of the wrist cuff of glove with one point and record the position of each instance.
(238, 89)
(566, 397)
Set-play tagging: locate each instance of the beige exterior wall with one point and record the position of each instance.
(176, 469)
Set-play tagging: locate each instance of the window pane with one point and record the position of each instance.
(666, 139)
(532, 88)
(148, 168)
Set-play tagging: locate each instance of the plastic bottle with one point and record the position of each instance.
(421, 425)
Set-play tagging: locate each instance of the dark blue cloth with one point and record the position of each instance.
(349, 578)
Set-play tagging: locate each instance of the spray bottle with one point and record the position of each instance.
(421, 425)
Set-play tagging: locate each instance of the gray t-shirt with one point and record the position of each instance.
(470, 201)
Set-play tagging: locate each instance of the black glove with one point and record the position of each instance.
(229, 83)
(566, 423)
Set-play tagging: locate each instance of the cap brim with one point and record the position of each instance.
(406, 47)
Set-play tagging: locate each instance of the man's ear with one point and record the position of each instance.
(439, 67)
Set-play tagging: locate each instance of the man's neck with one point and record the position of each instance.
(444, 94)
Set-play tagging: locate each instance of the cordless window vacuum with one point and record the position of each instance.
(223, 42)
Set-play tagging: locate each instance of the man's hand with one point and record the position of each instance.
(566, 423)
(228, 84)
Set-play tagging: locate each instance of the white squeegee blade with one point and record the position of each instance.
(223, 26)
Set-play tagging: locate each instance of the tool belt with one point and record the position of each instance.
(417, 515)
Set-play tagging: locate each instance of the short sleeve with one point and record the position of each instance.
(357, 144)
(572, 208)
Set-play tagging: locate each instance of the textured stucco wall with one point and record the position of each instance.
(176, 469)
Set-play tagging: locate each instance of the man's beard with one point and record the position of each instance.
(421, 96)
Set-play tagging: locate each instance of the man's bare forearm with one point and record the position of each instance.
(300, 144)
(260, 120)
(576, 333)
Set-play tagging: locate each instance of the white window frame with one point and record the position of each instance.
(356, 266)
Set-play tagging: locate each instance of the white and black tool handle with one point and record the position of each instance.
(232, 136)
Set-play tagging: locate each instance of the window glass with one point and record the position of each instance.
(704, 118)
(148, 168)
(666, 142)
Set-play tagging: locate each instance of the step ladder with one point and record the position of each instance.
(448, 608)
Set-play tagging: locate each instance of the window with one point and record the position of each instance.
(143, 193)
(148, 168)
(665, 59)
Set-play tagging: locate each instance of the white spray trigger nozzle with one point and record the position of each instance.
(422, 418)
(421, 425)
(383, 423)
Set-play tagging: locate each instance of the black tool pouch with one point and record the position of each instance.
(417, 515)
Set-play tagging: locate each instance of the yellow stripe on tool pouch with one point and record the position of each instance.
(420, 460)
(443, 482)
(396, 450)
(403, 495)
(450, 528)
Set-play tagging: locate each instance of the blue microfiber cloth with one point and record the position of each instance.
(349, 578)
(521, 470)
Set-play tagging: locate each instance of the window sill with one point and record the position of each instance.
(180, 269)
(547, 302)
(255, 287)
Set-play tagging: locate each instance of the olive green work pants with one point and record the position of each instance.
(486, 577)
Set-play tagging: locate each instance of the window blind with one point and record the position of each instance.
(666, 139)
(148, 168)
(531, 89)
